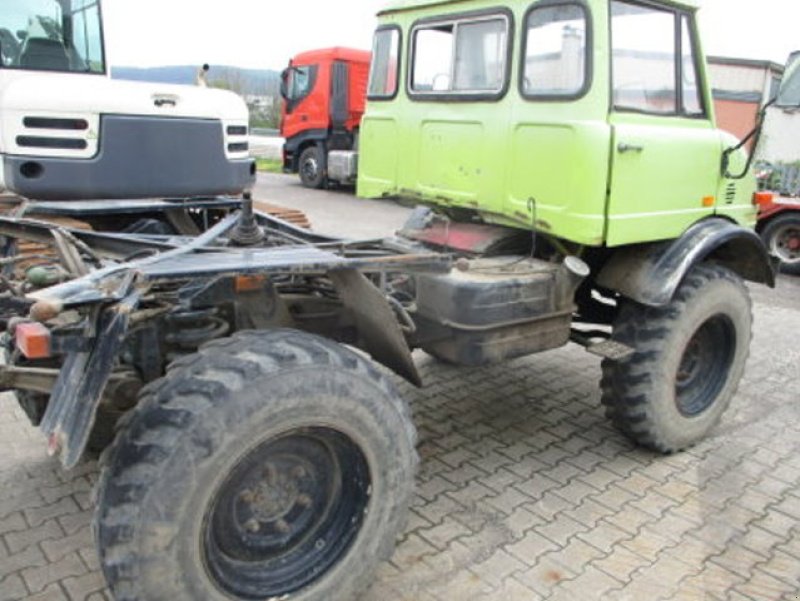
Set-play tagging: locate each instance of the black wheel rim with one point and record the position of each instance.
(705, 365)
(287, 513)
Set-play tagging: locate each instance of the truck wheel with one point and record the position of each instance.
(782, 237)
(268, 465)
(312, 168)
(688, 361)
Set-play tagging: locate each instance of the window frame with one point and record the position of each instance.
(677, 14)
(454, 19)
(397, 85)
(588, 74)
(313, 74)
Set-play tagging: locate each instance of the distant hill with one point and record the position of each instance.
(246, 81)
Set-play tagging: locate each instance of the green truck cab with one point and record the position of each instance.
(588, 120)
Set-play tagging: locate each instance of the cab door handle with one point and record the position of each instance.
(623, 148)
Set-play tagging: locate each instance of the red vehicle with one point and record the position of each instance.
(324, 93)
(779, 226)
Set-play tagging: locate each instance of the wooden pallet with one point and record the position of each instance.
(293, 216)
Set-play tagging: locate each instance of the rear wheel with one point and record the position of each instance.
(782, 237)
(689, 359)
(268, 465)
(312, 168)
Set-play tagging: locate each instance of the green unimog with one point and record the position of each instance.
(571, 185)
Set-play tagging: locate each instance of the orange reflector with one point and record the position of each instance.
(763, 199)
(249, 283)
(33, 340)
(709, 201)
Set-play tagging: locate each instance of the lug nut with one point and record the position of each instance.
(282, 526)
(253, 526)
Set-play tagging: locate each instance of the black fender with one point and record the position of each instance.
(297, 143)
(651, 273)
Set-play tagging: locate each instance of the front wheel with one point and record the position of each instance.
(269, 465)
(312, 168)
(782, 238)
(689, 358)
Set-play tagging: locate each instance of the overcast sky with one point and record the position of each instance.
(264, 34)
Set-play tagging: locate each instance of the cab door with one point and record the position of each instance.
(665, 149)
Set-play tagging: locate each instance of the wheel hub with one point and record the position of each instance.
(286, 513)
(310, 168)
(274, 495)
(786, 243)
(703, 370)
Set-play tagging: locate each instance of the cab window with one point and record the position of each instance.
(463, 57)
(297, 83)
(51, 35)
(557, 52)
(654, 66)
(385, 66)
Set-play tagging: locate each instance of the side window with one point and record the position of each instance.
(433, 59)
(644, 58)
(692, 103)
(296, 84)
(385, 67)
(86, 46)
(301, 82)
(465, 57)
(557, 52)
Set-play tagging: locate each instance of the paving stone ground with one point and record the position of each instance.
(524, 492)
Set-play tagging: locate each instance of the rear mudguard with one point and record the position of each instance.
(650, 274)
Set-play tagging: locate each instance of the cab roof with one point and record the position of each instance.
(396, 6)
(337, 53)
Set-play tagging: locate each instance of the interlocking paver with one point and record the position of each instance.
(17, 541)
(12, 588)
(38, 578)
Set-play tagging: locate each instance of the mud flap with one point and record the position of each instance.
(73, 404)
(378, 330)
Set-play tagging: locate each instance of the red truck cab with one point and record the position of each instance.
(324, 93)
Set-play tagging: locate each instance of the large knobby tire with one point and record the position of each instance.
(312, 168)
(782, 238)
(268, 465)
(689, 358)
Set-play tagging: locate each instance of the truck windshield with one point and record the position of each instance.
(52, 35)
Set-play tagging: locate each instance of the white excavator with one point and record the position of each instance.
(76, 144)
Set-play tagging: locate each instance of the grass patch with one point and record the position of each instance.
(269, 165)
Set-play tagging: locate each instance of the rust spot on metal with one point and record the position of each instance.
(45, 310)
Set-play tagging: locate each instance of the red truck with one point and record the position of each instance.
(324, 93)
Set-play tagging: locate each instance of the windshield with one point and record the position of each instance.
(52, 35)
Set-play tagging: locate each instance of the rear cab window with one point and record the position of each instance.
(462, 57)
